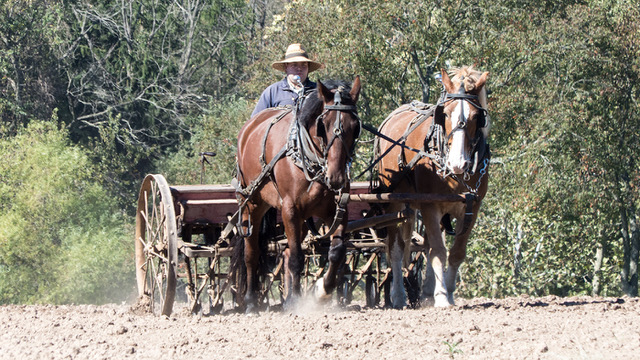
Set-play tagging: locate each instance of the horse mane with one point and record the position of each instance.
(312, 106)
(471, 76)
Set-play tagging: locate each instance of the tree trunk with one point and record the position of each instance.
(631, 249)
(634, 251)
(595, 283)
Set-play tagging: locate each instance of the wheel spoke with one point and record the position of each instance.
(160, 281)
(151, 284)
(159, 256)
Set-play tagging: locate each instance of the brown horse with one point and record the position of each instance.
(438, 149)
(298, 161)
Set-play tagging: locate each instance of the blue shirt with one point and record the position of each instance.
(280, 94)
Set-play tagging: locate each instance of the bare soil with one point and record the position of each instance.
(481, 328)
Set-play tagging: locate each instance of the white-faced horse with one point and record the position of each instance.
(438, 149)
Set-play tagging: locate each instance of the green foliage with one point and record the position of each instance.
(50, 210)
(96, 264)
(452, 348)
(215, 132)
(113, 152)
(564, 158)
(137, 72)
(29, 84)
(396, 48)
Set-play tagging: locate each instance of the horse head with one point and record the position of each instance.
(337, 129)
(463, 116)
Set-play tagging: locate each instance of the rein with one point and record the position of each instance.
(417, 121)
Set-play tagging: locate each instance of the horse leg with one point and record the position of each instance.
(252, 255)
(399, 255)
(337, 254)
(429, 281)
(456, 256)
(293, 230)
(437, 256)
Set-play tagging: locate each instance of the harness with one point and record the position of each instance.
(436, 145)
(303, 152)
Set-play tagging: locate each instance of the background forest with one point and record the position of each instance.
(96, 94)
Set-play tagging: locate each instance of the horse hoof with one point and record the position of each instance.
(291, 303)
(398, 304)
(320, 293)
(398, 300)
(251, 309)
(450, 299)
(441, 301)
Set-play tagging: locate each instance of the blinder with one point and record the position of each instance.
(469, 98)
(438, 115)
(482, 119)
(320, 129)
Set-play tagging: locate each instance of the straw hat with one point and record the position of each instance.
(296, 53)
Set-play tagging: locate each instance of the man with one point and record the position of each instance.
(296, 66)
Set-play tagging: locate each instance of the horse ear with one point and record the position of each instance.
(355, 89)
(482, 80)
(324, 94)
(446, 82)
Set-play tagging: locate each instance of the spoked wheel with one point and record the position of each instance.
(156, 245)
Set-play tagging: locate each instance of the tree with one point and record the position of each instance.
(30, 85)
(606, 115)
(215, 132)
(563, 154)
(140, 73)
(397, 47)
(546, 220)
(61, 235)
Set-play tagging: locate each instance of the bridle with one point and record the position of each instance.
(461, 124)
(338, 129)
(320, 176)
(337, 133)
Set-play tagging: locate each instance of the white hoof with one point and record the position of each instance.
(441, 301)
(320, 293)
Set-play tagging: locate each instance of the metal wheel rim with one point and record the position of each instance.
(156, 245)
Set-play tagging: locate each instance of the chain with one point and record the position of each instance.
(483, 171)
